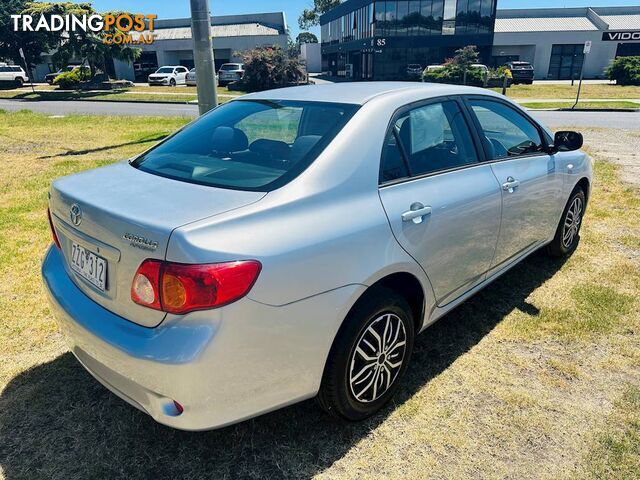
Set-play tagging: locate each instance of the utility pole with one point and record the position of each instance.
(203, 56)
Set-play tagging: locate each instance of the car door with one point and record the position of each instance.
(5, 73)
(182, 75)
(516, 148)
(442, 203)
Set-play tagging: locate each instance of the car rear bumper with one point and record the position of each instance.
(522, 76)
(222, 365)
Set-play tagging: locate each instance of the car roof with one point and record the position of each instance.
(360, 93)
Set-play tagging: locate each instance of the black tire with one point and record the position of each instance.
(336, 395)
(564, 242)
(172, 82)
(20, 81)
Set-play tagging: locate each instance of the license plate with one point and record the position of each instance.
(89, 266)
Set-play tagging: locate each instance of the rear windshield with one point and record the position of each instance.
(248, 144)
(230, 66)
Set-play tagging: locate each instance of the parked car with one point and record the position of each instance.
(143, 70)
(522, 72)
(414, 71)
(242, 264)
(433, 68)
(13, 73)
(170, 75)
(192, 80)
(50, 77)
(230, 72)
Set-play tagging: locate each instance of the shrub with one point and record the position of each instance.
(73, 78)
(453, 70)
(497, 76)
(625, 71)
(270, 67)
(454, 74)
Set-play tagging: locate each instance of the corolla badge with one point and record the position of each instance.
(75, 214)
(140, 242)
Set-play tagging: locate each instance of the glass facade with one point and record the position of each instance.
(377, 40)
(566, 61)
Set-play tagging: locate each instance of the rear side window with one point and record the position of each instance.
(507, 133)
(248, 144)
(429, 138)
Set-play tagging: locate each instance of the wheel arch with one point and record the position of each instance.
(585, 185)
(405, 284)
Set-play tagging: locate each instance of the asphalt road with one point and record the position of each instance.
(623, 120)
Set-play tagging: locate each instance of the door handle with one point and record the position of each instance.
(510, 185)
(416, 214)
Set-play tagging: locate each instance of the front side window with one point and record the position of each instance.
(254, 145)
(507, 133)
(430, 138)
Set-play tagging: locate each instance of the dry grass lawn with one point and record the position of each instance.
(583, 105)
(537, 377)
(589, 90)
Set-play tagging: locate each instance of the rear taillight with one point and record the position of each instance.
(54, 235)
(181, 288)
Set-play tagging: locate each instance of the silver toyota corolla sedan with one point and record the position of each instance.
(291, 244)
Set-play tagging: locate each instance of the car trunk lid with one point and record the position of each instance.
(124, 216)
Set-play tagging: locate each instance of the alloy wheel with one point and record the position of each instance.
(572, 222)
(377, 358)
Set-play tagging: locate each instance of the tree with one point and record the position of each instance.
(625, 71)
(466, 56)
(33, 44)
(459, 70)
(88, 46)
(311, 17)
(306, 37)
(270, 67)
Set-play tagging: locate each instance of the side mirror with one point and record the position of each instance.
(567, 141)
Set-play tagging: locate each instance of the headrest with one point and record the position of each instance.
(228, 140)
(272, 148)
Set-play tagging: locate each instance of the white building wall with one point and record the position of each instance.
(171, 52)
(535, 47)
(311, 54)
